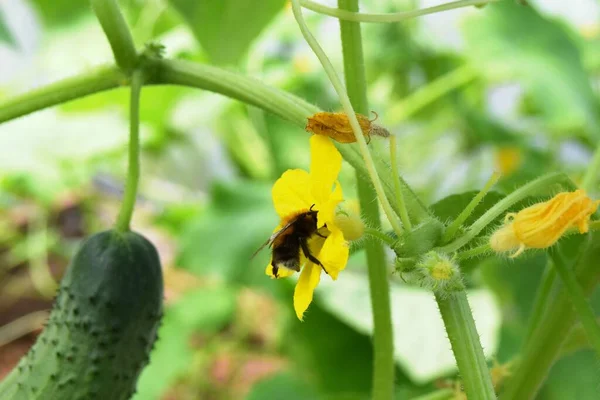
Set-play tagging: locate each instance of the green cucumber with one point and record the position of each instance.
(102, 327)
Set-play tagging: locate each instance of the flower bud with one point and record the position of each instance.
(437, 272)
(349, 221)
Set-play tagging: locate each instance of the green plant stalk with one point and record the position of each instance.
(349, 110)
(377, 234)
(529, 189)
(473, 252)
(383, 339)
(431, 92)
(582, 308)
(466, 347)
(541, 300)
(462, 217)
(397, 184)
(94, 81)
(553, 328)
(353, 16)
(133, 170)
(117, 32)
(593, 171)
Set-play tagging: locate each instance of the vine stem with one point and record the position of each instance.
(404, 217)
(462, 217)
(349, 110)
(346, 15)
(578, 299)
(466, 346)
(117, 32)
(133, 171)
(383, 340)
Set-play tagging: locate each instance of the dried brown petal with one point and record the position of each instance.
(337, 126)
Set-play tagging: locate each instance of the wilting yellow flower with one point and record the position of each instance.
(542, 224)
(298, 192)
(337, 126)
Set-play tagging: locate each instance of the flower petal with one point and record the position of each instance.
(292, 193)
(281, 273)
(326, 210)
(325, 165)
(334, 254)
(308, 281)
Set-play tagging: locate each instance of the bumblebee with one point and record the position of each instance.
(287, 242)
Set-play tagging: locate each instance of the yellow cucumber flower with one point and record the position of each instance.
(297, 193)
(541, 225)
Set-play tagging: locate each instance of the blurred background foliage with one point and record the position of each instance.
(506, 87)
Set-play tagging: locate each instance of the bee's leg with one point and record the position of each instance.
(310, 257)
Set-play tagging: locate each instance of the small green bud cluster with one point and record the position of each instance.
(437, 272)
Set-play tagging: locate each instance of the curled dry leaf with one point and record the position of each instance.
(337, 126)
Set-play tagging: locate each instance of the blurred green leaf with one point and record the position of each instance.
(509, 40)
(57, 13)
(421, 345)
(226, 28)
(283, 386)
(5, 33)
(220, 242)
(334, 355)
(573, 377)
(202, 311)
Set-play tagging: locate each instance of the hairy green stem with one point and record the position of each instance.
(377, 234)
(473, 252)
(383, 340)
(352, 16)
(534, 187)
(462, 217)
(546, 342)
(117, 32)
(582, 308)
(94, 81)
(466, 347)
(397, 184)
(185, 73)
(349, 110)
(133, 170)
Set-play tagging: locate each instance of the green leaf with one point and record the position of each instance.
(574, 377)
(220, 242)
(5, 33)
(511, 41)
(421, 345)
(282, 386)
(205, 311)
(226, 28)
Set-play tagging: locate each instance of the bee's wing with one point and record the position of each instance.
(272, 238)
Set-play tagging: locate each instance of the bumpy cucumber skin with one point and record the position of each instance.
(102, 328)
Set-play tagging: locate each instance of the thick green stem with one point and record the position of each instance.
(117, 32)
(553, 328)
(133, 171)
(467, 349)
(94, 81)
(383, 340)
(584, 311)
(351, 16)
